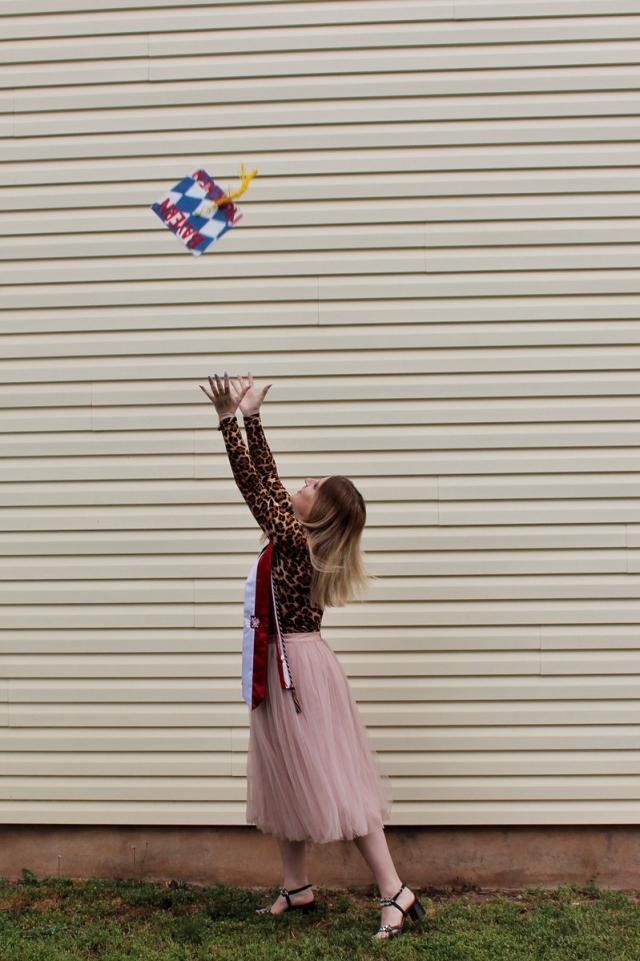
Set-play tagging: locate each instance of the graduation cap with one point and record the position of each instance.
(198, 211)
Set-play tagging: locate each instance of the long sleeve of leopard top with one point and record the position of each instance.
(276, 519)
(263, 459)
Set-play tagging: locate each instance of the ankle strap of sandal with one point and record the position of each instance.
(286, 892)
(394, 902)
(295, 890)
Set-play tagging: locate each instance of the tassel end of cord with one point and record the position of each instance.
(245, 180)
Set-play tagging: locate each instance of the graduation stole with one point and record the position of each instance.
(261, 615)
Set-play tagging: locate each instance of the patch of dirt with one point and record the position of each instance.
(45, 904)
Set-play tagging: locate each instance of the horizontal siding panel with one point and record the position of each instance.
(485, 412)
(386, 58)
(268, 243)
(578, 607)
(533, 337)
(406, 813)
(63, 69)
(383, 689)
(136, 468)
(487, 9)
(199, 442)
(130, 521)
(467, 714)
(219, 738)
(149, 788)
(77, 418)
(38, 51)
(409, 256)
(361, 135)
(127, 93)
(290, 114)
(458, 563)
(555, 587)
(529, 358)
(268, 265)
(614, 637)
(441, 163)
(588, 739)
(179, 18)
(310, 288)
(509, 208)
(34, 75)
(368, 664)
(12, 7)
(616, 249)
(454, 323)
(369, 35)
(313, 214)
(525, 540)
(188, 789)
(114, 765)
(369, 186)
(152, 35)
(130, 717)
(199, 494)
(430, 9)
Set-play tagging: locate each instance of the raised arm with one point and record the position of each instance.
(276, 519)
(262, 458)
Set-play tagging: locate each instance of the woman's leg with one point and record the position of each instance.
(293, 854)
(374, 849)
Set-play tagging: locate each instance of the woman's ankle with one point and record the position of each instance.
(294, 885)
(390, 888)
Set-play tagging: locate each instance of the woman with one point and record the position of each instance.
(312, 774)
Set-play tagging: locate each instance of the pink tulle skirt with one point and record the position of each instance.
(313, 776)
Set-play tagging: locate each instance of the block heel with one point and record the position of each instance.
(417, 911)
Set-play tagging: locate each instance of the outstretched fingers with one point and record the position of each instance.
(221, 390)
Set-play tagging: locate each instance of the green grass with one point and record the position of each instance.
(58, 919)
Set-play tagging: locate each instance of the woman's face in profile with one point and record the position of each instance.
(302, 500)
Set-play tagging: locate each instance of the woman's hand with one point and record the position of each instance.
(251, 401)
(225, 403)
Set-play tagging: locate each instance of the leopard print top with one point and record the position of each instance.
(257, 479)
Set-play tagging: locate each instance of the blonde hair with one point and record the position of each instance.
(335, 524)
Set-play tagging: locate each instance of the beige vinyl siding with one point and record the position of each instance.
(438, 270)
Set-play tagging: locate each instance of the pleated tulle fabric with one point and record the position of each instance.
(313, 776)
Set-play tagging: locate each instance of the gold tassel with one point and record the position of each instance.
(296, 701)
(246, 179)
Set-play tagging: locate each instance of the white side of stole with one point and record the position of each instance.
(248, 636)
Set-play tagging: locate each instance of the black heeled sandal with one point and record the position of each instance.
(305, 908)
(415, 911)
